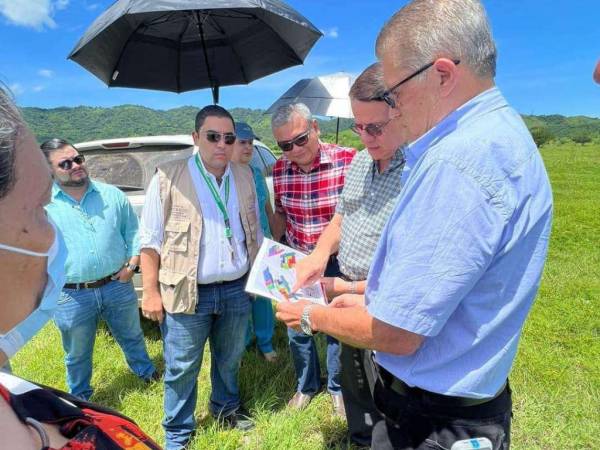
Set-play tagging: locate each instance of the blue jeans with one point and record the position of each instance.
(221, 316)
(306, 359)
(261, 324)
(77, 319)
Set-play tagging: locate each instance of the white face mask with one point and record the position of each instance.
(21, 333)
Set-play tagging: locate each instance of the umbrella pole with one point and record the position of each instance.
(214, 89)
(337, 130)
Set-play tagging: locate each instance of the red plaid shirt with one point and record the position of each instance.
(309, 199)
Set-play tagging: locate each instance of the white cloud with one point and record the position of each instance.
(46, 73)
(17, 89)
(38, 88)
(35, 14)
(92, 6)
(331, 32)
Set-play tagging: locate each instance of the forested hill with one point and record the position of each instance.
(85, 123)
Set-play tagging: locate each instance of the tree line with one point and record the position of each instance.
(87, 123)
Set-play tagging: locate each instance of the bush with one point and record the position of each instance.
(541, 135)
(581, 138)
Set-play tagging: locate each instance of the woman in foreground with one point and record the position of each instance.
(32, 255)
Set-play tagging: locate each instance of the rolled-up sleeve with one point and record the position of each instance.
(151, 224)
(436, 246)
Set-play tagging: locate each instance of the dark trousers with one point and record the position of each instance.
(357, 381)
(426, 421)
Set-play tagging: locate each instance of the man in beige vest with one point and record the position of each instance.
(199, 234)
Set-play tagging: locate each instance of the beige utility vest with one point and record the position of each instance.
(182, 215)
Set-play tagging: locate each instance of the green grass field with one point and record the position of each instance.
(555, 381)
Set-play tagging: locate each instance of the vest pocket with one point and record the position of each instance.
(171, 284)
(176, 236)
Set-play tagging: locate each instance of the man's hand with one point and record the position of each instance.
(152, 307)
(124, 275)
(309, 270)
(335, 286)
(348, 301)
(291, 312)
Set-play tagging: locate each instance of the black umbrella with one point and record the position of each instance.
(182, 45)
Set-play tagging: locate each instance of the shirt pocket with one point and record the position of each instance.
(176, 236)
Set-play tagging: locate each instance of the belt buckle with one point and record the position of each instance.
(87, 284)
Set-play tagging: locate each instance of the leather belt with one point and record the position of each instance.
(224, 282)
(91, 284)
(400, 387)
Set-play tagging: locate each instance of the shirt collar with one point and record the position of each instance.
(479, 105)
(57, 190)
(197, 155)
(322, 158)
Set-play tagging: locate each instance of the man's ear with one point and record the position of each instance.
(315, 126)
(447, 73)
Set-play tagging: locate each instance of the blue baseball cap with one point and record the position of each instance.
(244, 131)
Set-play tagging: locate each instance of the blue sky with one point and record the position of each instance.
(547, 52)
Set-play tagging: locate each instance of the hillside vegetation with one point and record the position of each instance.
(86, 123)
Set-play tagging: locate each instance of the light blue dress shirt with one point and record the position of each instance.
(461, 258)
(100, 231)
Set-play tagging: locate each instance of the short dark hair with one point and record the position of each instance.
(51, 145)
(212, 111)
(369, 86)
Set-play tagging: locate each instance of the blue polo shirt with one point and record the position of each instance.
(461, 258)
(100, 231)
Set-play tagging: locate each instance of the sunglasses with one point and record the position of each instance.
(299, 140)
(215, 136)
(372, 129)
(388, 96)
(67, 164)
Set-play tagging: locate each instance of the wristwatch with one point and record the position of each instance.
(133, 267)
(305, 324)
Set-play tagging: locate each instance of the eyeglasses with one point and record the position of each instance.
(388, 96)
(67, 164)
(215, 136)
(299, 140)
(245, 141)
(372, 129)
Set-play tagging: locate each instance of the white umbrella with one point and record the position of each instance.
(326, 95)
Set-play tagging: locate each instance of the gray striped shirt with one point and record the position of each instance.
(367, 200)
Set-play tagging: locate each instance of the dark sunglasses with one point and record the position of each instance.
(299, 140)
(372, 129)
(67, 164)
(388, 96)
(215, 136)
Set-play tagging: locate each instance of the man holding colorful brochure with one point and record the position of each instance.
(307, 181)
(199, 235)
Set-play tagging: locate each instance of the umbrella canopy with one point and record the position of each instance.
(326, 95)
(182, 45)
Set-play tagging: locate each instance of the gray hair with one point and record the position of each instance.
(425, 30)
(284, 113)
(11, 122)
(369, 86)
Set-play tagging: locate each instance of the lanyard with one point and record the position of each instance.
(217, 198)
